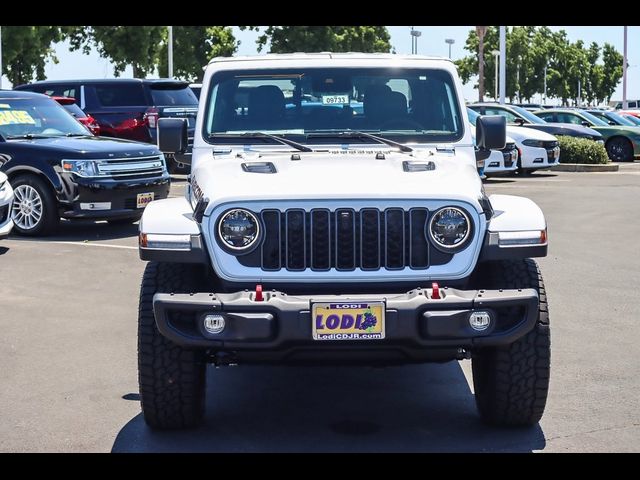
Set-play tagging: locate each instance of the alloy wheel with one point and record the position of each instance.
(26, 210)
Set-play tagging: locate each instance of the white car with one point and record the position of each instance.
(536, 149)
(334, 214)
(6, 197)
(499, 162)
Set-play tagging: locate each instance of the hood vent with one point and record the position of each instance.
(409, 166)
(259, 167)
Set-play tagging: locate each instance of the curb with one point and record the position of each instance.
(585, 167)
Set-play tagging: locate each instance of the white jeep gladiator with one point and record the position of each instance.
(334, 214)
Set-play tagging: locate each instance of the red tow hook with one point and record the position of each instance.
(258, 297)
(435, 295)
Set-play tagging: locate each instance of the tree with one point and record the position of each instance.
(612, 71)
(193, 47)
(289, 39)
(25, 51)
(137, 46)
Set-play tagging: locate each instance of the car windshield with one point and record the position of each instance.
(473, 116)
(619, 119)
(37, 117)
(406, 105)
(634, 120)
(526, 114)
(74, 110)
(593, 119)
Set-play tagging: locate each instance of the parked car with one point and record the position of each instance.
(630, 104)
(622, 142)
(612, 117)
(536, 149)
(628, 116)
(520, 117)
(329, 239)
(196, 88)
(58, 169)
(633, 113)
(6, 199)
(129, 108)
(87, 120)
(500, 162)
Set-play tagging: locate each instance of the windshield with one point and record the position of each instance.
(593, 119)
(74, 110)
(473, 116)
(173, 96)
(634, 120)
(619, 119)
(524, 113)
(37, 117)
(407, 105)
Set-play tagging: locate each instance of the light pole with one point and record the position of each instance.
(450, 41)
(0, 58)
(503, 63)
(624, 71)
(545, 84)
(170, 49)
(496, 54)
(414, 40)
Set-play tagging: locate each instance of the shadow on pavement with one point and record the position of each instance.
(3, 250)
(417, 408)
(495, 180)
(79, 230)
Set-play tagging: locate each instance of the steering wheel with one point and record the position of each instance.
(399, 123)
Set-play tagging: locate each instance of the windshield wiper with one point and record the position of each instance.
(76, 135)
(29, 136)
(262, 135)
(359, 134)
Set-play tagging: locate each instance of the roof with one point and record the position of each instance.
(327, 55)
(109, 80)
(20, 94)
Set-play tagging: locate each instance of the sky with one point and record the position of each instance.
(432, 42)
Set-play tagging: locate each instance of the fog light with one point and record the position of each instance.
(214, 324)
(480, 321)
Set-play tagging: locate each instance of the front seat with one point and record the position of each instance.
(265, 107)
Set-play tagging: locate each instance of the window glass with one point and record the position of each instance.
(173, 96)
(120, 95)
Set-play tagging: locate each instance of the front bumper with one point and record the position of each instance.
(6, 198)
(279, 329)
(111, 198)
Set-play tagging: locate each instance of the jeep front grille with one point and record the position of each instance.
(344, 239)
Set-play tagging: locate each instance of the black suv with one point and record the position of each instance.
(129, 108)
(58, 168)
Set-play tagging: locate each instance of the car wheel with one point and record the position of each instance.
(511, 382)
(34, 208)
(620, 150)
(171, 378)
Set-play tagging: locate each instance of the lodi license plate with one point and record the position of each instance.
(143, 199)
(348, 320)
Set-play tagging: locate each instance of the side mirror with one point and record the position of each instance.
(585, 123)
(172, 135)
(519, 121)
(491, 132)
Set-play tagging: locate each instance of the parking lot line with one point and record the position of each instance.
(88, 244)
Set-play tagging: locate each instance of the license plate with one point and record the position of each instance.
(348, 320)
(143, 199)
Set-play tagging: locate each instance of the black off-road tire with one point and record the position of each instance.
(125, 221)
(511, 382)
(171, 378)
(50, 217)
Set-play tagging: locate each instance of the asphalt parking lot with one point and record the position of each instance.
(68, 307)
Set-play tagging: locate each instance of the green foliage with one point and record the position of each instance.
(25, 51)
(138, 46)
(530, 49)
(193, 47)
(289, 39)
(581, 150)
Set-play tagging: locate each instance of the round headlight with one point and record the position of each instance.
(449, 228)
(239, 230)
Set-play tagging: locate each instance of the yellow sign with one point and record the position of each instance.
(16, 117)
(348, 321)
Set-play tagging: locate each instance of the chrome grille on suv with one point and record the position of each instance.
(132, 167)
(344, 239)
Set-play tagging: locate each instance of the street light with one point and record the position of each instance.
(0, 58)
(450, 41)
(624, 71)
(496, 54)
(414, 40)
(170, 49)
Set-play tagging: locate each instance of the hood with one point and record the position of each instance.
(345, 174)
(523, 133)
(619, 129)
(565, 129)
(89, 147)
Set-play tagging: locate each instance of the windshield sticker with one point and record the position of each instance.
(5, 105)
(16, 117)
(335, 99)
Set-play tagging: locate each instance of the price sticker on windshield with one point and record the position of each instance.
(16, 117)
(335, 99)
